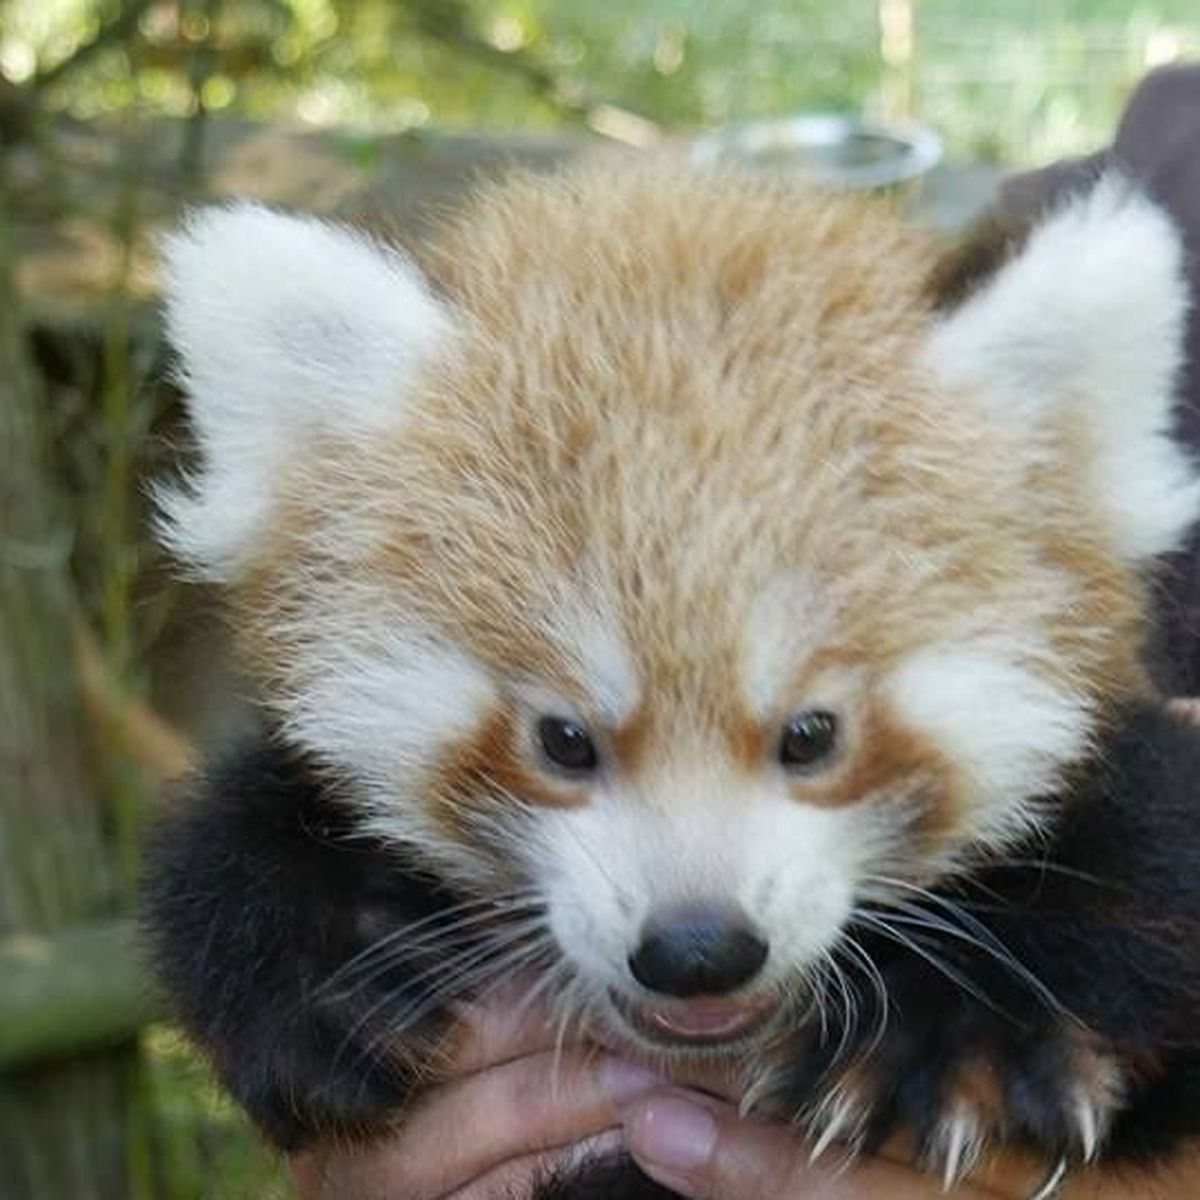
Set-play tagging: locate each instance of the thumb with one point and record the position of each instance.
(703, 1150)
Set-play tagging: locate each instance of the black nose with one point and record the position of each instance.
(698, 952)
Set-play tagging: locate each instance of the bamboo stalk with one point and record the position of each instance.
(71, 992)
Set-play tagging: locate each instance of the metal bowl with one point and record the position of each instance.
(828, 148)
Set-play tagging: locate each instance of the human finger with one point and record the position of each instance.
(477, 1123)
(703, 1150)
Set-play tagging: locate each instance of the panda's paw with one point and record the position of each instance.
(1055, 1092)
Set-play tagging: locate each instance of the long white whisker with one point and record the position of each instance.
(434, 928)
(998, 952)
(862, 959)
(444, 979)
(875, 921)
(961, 924)
(849, 1009)
(480, 939)
(517, 959)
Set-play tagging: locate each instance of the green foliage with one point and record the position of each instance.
(206, 1150)
(1013, 78)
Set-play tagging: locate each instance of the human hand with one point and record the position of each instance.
(511, 1106)
(524, 1106)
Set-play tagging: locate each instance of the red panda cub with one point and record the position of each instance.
(659, 593)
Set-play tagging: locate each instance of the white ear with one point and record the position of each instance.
(1087, 322)
(286, 328)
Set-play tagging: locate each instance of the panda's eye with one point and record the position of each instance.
(808, 739)
(567, 745)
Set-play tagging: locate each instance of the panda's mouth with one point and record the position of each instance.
(702, 1022)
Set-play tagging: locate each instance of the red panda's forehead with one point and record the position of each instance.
(690, 395)
(682, 552)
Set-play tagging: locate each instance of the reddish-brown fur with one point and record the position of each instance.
(687, 390)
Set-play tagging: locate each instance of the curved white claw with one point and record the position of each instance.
(839, 1117)
(1094, 1107)
(1087, 1120)
(958, 1146)
(1052, 1186)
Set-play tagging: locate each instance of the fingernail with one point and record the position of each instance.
(673, 1134)
(625, 1081)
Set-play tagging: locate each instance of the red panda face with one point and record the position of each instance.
(677, 565)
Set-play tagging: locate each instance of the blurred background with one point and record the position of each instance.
(115, 116)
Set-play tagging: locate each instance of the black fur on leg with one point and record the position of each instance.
(256, 891)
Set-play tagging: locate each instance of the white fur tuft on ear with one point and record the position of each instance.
(286, 328)
(1086, 322)
(1009, 730)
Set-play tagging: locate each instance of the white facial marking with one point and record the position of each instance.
(791, 868)
(383, 708)
(585, 624)
(287, 328)
(1087, 321)
(788, 622)
(1010, 729)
